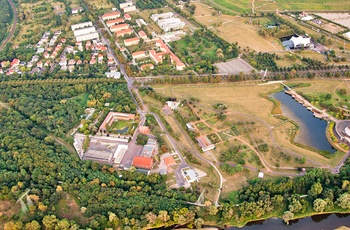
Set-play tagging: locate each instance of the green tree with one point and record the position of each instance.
(287, 216)
(34, 225)
(319, 205)
(344, 201)
(315, 190)
(198, 223)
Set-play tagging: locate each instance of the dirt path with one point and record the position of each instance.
(15, 19)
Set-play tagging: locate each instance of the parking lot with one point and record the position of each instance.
(234, 66)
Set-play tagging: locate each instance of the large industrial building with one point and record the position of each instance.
(84, 31)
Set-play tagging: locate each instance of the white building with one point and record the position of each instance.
(125, 4)
(173, 105)
(169, 24)
(189, 174)
(77, 10)
(85, 31)
(156, 17)
(81, 25)
(129, 9)
(297, 42)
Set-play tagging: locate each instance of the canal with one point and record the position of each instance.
(324, 222)
(312, 130)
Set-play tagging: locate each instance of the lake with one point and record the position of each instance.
(312, 130)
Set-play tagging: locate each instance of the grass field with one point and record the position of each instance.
(245, 6)
(235, 29)
(251, 128)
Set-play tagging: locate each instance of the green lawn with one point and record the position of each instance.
(81, 99)
(241, 6)
(120, 125)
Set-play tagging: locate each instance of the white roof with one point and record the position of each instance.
(261, 175)
(300, 41)
(307, 18)
(347, 34)
(119, 153)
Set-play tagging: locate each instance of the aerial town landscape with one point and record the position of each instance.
(163, 114)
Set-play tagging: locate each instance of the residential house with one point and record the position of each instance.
(71, 62)
(92, 61)
(124, 32)
(46, 55)
(131, 41)
(139, 54)
(15, 62)
(127, 17)
(110, 16)
(147, 66)
(119, 27)
(114, 22)
(77, 10)
(39, 64)
(142, 35)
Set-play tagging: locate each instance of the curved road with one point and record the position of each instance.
(15, 19)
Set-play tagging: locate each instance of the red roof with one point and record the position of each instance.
(122, 32)
(116, 14)
(169, 161)
(115, 21)
(132, 39)
(142, 162)
(144, 129)
(142, 34)
(138, 53)
(146, 66)
(127, 16)
(120, 26)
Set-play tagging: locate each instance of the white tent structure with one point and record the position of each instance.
(297, 42)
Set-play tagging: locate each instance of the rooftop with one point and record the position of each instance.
(142, 162)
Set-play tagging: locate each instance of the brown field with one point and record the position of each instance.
(240, 103)
(8, 209)
(235, 29)
(104, 4)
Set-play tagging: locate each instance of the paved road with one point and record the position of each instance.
(15, 19)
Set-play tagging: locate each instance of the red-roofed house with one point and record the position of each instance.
(63, 40)
(143, 35)
(110, 16)
(124, 32)
(15, 62)
(142, 162)
(120, 27)
(114, 22)
(145, 66)
(46, 55)
(47, 63)
(169, 161)
(39, 64)
(139, 54)
(144, 130)
(131, 41)
(92, 61)
(127, 17)
(100, 58)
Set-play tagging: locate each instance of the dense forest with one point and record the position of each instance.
(150, 4)
(58, 107)
(5, 18)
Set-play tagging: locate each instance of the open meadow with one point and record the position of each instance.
(250, 114)
(235, 29)
(245, 6)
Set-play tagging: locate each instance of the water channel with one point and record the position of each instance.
(312, 130)
(324, 222)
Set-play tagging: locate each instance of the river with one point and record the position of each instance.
(312, 130)
(324, 222)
